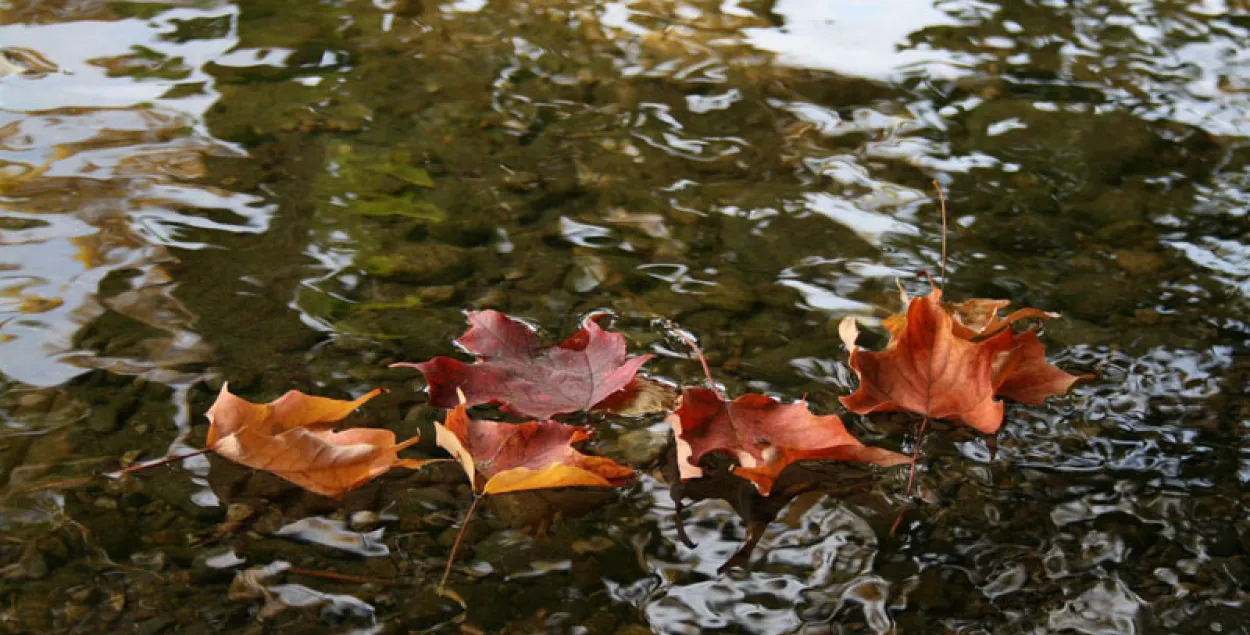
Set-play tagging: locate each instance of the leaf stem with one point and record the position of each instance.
(702, 360)
(915, 455)
(455, 547)
(911, 475)
(157, 463)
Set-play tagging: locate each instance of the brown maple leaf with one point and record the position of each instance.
(949, 361)
(764, 435)
(293, 437)
(514, 370)
(511, 457)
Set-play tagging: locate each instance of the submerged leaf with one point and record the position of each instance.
(512, 457)
(293, 438)
(410, 174)
(514, 370)
(641, 396)
(764, 435)
(406, 206)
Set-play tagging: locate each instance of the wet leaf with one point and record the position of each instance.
(513, 370)
(406, 206)
(764, 435)
(512, 457)
(1023, 374)
(950, 361)
(410, 174)
(293, 438)
(928, 370)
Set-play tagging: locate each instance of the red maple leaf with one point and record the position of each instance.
(764, 435)
(514, 370)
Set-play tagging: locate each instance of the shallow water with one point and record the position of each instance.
(293, 195)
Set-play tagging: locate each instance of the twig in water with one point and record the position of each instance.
(942, 201)
(157, 463)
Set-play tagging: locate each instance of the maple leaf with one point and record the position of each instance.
(511, 457)
(1023, 374)
(514, 370)
(927, 369)
(293, 437)
(764, 435)
(949, 361)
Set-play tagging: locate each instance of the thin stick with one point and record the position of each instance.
(67, 483)
(942, 200)
(702, 360)
(455, 547)
(911, 475)
(341, 577)
(157, 463)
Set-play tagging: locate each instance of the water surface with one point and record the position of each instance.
(293, 195)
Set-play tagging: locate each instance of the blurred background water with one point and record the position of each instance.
(293, 195)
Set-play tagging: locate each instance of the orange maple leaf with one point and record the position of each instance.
(293, 437)
(949, 361)
(512, 457)
(1023, 374)
(764, 435)
(928, 370)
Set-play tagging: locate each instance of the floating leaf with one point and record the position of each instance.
(1023, 374)
(764, 435)
(514, 370)
(512, 457)
(928, 370)
(949, 361)
(293, 438)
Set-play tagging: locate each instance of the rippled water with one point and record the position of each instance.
(293, 195)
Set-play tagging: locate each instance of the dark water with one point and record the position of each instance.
(295, 194)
